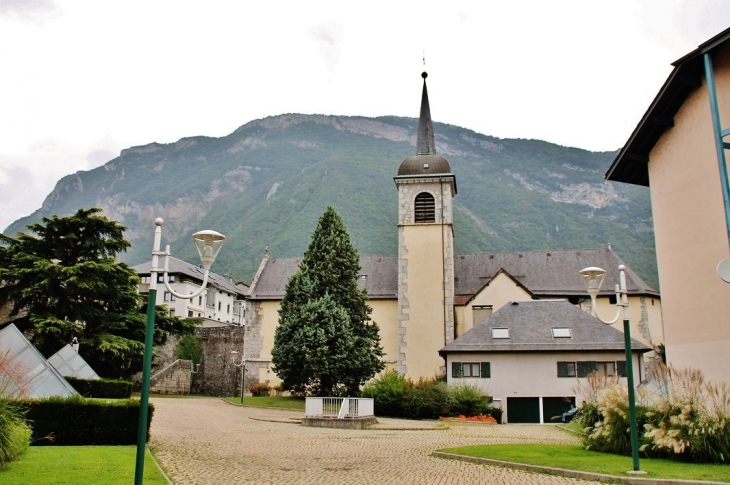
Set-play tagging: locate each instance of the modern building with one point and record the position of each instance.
(427, 296)
(221, 304)
(678, 152)
(533, 356)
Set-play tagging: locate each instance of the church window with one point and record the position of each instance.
(425, 209)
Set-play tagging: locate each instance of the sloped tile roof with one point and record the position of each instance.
(544, 273)
(530, 326)
(379, 276)
(178, 266)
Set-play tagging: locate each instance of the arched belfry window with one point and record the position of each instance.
(425, 209)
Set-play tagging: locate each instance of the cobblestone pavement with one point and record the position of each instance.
(207, 441)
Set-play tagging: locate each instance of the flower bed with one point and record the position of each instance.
(472, 419)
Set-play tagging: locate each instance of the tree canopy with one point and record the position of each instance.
(325, 343)
(64, 282)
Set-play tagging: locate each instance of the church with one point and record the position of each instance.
(427, 296)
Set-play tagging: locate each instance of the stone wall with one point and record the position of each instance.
(217, 376)
(173, 379)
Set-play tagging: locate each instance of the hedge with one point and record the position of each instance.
(101, 388)
(78, 422)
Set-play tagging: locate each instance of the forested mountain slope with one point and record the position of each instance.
(267, 183)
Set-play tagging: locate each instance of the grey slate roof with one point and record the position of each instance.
(545, 273)
(380, 277)
(530, 326)
(178, 266)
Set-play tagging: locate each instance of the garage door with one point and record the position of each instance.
(555, 406)
(523, 410)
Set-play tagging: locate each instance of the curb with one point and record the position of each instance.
(159, 467)
(572, 473)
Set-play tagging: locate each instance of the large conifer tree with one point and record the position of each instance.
(325, 343)
(64, 281)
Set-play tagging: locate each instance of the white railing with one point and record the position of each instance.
(339, 407)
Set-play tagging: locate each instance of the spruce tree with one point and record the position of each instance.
(325, 343)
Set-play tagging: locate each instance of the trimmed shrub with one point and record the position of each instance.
(77, 421)
(468, 400)
(101, 388)
(496, 413)
(14, 432)
(426, 399)
(261, 389)
(387, 390)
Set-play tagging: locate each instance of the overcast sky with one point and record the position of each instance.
(82, 80)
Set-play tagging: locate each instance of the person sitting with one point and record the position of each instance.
(568, 415)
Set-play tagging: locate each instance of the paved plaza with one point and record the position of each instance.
(207, 441)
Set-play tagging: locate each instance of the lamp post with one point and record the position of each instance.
(208, 243)
(234, 354)
(593, 278)
(194, 369)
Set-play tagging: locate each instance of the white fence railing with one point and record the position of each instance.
(339, 407)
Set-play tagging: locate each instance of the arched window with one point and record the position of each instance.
(425, 209)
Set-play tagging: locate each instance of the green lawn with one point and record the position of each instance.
(574, 457)
(73, 465)
(270, 401)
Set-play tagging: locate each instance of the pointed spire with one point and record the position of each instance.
(424, 143)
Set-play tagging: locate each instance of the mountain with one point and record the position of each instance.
(267, 183)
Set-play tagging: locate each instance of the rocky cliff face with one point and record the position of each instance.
(267, 183)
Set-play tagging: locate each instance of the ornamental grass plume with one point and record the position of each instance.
(690, 421)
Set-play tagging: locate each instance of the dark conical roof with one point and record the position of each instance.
(426, 161)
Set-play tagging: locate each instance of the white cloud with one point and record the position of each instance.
(27, 178)
(29, 10)
(329, 39)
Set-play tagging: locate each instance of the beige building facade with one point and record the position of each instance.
(673, 151)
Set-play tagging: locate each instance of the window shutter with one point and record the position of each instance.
(486, 371)
(621, 368)
(455, 370)
(562, 369)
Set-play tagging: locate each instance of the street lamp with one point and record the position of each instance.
(234, 354)
(593, 277)
(208, 244)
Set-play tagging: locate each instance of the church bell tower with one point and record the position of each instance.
(426, 190)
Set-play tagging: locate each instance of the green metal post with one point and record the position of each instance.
(632, 399)
(719, 145)
(145, 391)
(243, 374)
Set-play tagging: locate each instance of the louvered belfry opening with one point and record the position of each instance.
(425, 209)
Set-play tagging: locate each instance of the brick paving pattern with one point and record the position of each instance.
(206, 441)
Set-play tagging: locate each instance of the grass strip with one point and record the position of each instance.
(72, 465)
(574, 457)
(284, 402)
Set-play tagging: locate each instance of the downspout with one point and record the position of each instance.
(443, 257)
(719, 135)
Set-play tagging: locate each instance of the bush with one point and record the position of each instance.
(260, 389)
(387, 390)
(426, 399)
(188, 348)
(496, 413)
(691, 421)
(14, 432)
(468, 400)
(101, 388)
(78, 421)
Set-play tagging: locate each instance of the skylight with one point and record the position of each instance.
(561, 332)
(500, 332)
